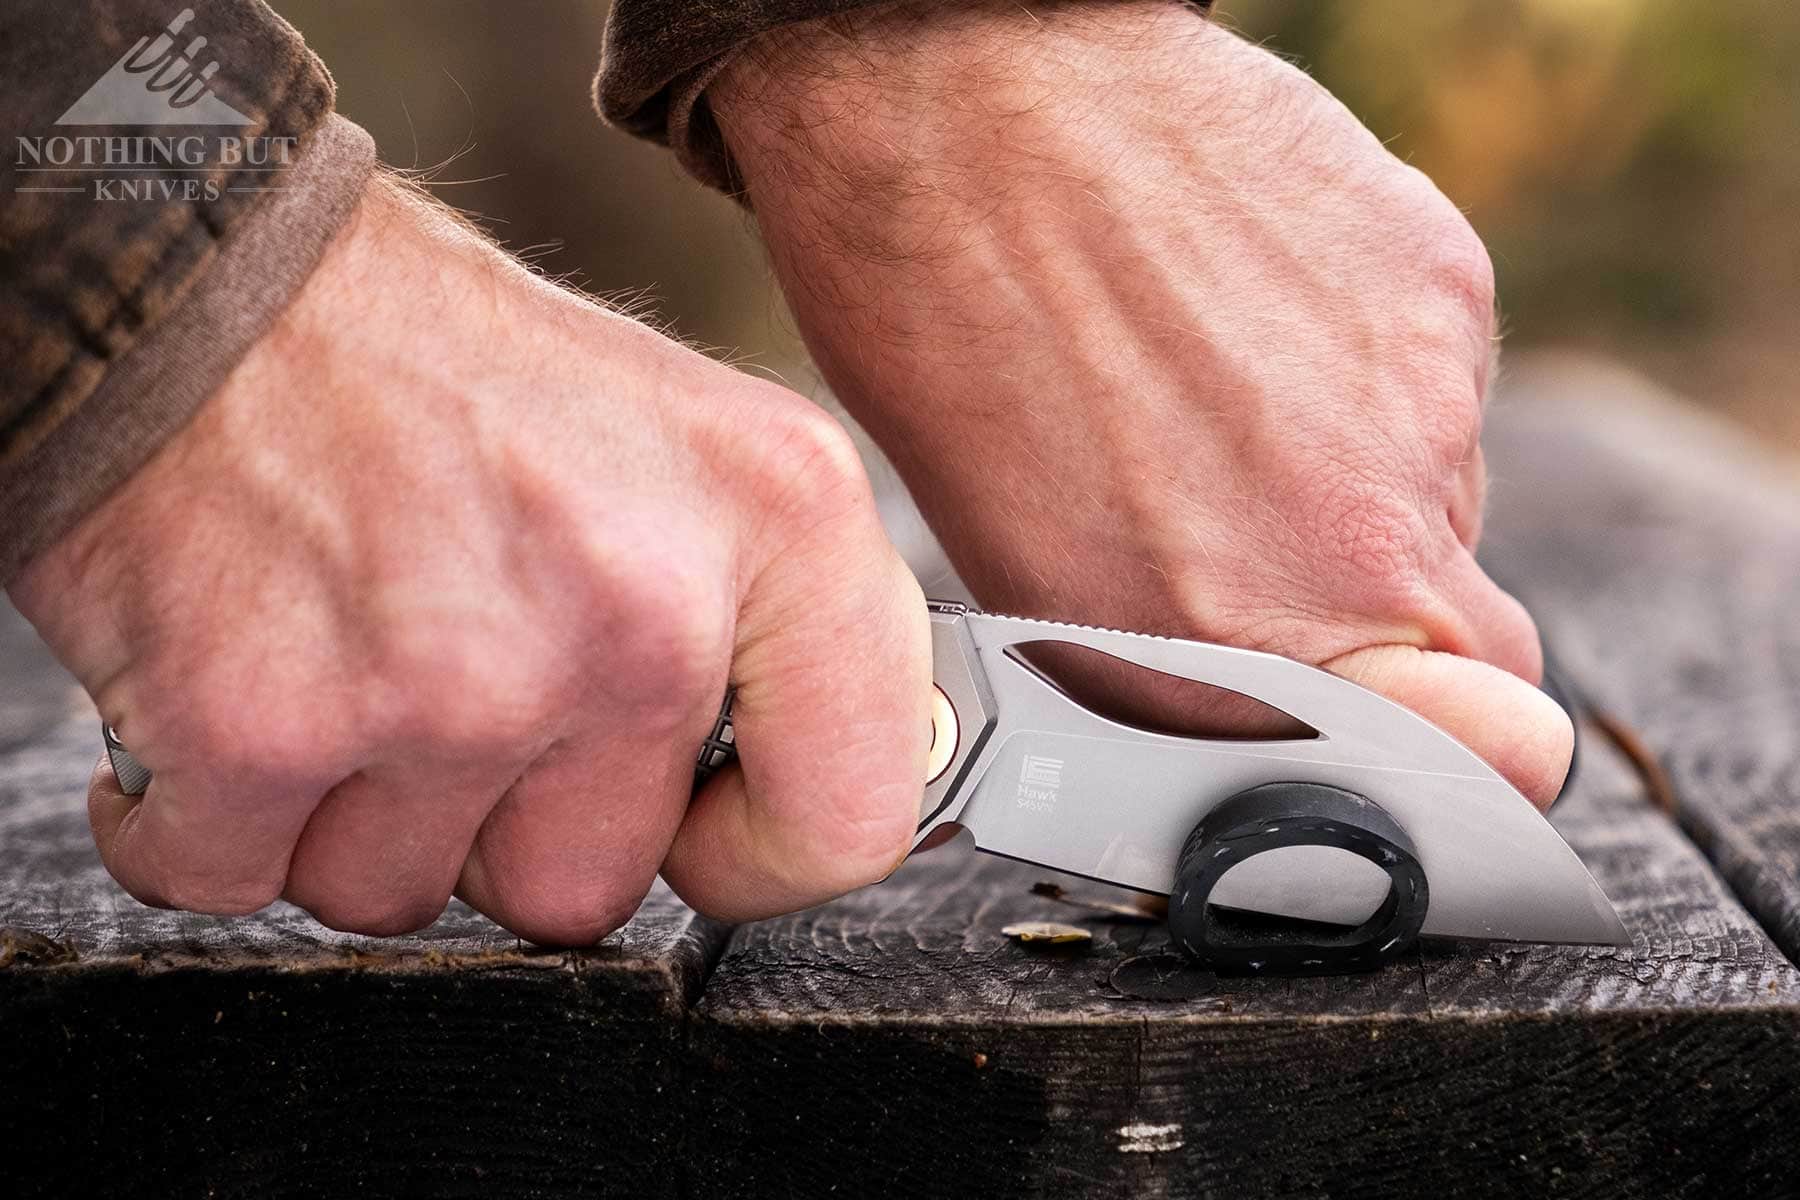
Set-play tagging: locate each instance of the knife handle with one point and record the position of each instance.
(133, 776)
(718, 751)
(1295, 814)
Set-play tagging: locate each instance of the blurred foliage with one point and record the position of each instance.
(492, 101)
(1633, 164)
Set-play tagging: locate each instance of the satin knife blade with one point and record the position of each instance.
(1035, 775)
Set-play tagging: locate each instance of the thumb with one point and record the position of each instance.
(1518, 730)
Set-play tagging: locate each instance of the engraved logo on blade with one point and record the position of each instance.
(1040, 779)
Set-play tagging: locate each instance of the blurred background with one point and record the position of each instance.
(1633, 164)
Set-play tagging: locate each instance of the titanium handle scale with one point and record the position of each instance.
(133, 776)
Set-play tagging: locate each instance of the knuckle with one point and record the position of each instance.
(1448, 418)
(467, 692)
(214, 896)
(256, 746)
(668, 629)
(1462, 266)
(1512, 642)
(224, 731)
(808, 461)
(375, 915)
(476, 720)
(565, 916)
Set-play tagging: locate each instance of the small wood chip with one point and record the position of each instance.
(1657, 787)
(25, 946)
(1136, 908)
(1047, 933)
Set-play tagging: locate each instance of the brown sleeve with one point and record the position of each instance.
(660, 55)
(142, 250)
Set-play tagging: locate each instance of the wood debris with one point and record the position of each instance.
(1047, 933)
(1148, 909)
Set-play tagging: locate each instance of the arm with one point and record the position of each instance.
(1159, 336)
(660, 58)
(118, 316)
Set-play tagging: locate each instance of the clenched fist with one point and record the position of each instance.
(441, 592)
(1161, 338)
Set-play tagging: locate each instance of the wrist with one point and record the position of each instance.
(281, 386)
(873, 102)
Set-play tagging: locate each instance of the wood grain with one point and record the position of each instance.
(157, 1054)
(1662, 552)
(895, 1043)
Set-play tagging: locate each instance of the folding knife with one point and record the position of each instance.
(1378, 829)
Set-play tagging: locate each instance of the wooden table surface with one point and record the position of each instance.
(895, 1043)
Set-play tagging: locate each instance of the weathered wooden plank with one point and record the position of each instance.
(896, 1043)
(1662, 549)
(148, 1053)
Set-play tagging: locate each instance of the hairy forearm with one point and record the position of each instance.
(952, 183)
(869, 107)
(662, 55)
(1159, 336)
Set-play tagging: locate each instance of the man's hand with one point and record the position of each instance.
(1160, 337)
(443, 590)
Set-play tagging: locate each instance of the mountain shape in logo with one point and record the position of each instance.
(154, 84)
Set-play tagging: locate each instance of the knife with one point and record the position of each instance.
(1302, 855)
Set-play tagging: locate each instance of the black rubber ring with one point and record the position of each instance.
(1296, 814)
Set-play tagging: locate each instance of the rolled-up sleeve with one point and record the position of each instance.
(660, 55)
(171, 178)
